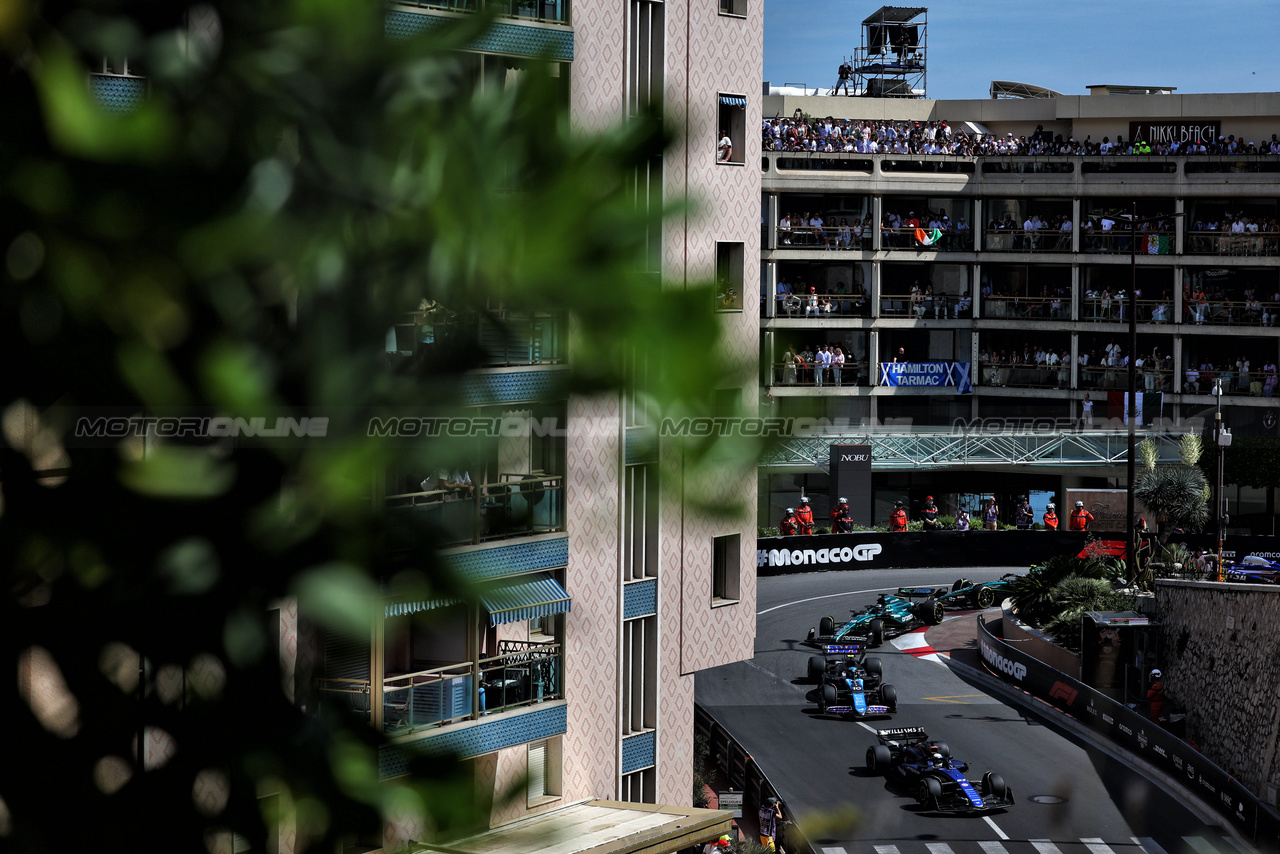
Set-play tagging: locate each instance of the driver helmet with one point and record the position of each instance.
(928, 498)
(844, 501)
(1052, 505)
(937, 757)
(791, 509)
(1079, 503)
(897, 504)
(1155, 674)
(804, 500)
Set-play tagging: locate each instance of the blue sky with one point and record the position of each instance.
(1205, 46)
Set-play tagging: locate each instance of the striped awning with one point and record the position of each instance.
(404, 609)
(733, 101)
(538, 595)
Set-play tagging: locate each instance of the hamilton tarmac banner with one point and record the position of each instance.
(927, 375)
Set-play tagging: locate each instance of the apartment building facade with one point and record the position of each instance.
(1042, 263)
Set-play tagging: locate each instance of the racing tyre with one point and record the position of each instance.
(960, 584)
(993, 784)
(826, 697)
(817, 666)
(877, 632)
(878, 759)
(931, 612)
(826, 627)
(873, 667)
(984, 598)
(928, 792)
(944, 748)
(889, 697)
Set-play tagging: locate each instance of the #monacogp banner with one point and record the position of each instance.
(930, 374)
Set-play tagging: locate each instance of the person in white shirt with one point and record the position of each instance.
(724, 149)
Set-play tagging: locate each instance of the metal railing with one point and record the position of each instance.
(925, 307)
(1117, 377)
(1232, 243)
(905, 238)
(521, 674)
(852, 374)
(827, 237)
(824, 305)
(1020, 240)
(517, 505)
(1021, 375)
(1116, 309)
(1225, 312)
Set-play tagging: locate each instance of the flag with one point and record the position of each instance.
(1152, 407)
(928, 238)
(1156, 244)
(1117, 402)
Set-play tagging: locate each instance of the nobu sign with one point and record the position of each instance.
(1166, 132)
(851, 478)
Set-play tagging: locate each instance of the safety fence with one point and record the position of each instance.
(1132, 732)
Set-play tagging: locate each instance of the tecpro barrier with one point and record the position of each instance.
(1132, 731)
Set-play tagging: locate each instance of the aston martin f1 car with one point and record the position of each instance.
(906, 755)
(963, 594)
(850, 684)
(889, 617)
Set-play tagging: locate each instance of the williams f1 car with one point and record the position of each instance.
(851, 685)
(907, 756)
(1252, 570)
(889, 617)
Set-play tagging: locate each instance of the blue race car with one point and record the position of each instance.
(907, 756)
(889, 617)
(850, 684)
(1252, 570)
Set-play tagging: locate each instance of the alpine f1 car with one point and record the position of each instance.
(1252, 570)
(906, 755)
(963, 594)
(889, 617)
(850, 684)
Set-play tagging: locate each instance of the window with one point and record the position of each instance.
(733, 7)
(639, 787)
(645, 54)
(640, 523)
(731, 132)
(545, 762)
(729, 276)
(640, 675)
(726, 556)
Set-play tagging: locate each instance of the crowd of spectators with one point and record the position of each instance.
(1239, 377)
(1234, 234)
(824, 364)
(802, 133)
(1220, 305)
(801, 300)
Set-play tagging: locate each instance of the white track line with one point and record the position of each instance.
(1149, 845)
(938, 848)
(1044, 846)
(1096, 845)
(827, 596)
(996, 847)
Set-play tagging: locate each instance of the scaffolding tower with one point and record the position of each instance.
(890, 62)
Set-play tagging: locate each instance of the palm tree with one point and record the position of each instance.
(1177, 494)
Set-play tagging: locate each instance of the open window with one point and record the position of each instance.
(729, 264)
(733, 7)
(726, 569)
(731, 129)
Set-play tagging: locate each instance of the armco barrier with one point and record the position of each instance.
(871, 550)
(1133, 732)
(741, 770)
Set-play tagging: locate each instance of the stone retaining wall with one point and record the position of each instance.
(1221, 662)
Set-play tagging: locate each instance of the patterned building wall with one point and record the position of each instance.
(592, 627)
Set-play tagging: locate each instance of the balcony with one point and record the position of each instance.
(1020, 240)
(515, 505)
(550, 11)
(504, 338)
(796, 306)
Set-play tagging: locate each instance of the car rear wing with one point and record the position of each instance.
(919, 592)
(903, 734)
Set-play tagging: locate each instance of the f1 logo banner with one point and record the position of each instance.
(851, 478)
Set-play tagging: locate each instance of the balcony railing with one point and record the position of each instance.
(1021, 375)
(1020, 240)
(852, 374)
(517, 505)
(924, 307)
(522, 674)
(1233, 243)
(1116, 308)
(826, 305)
(827, 237)
(505, 338)
(905, 238)
(1224, 312)
(1117, 378)
(1046, 308)
(555, 11)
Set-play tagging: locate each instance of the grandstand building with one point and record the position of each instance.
(1001, 280)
